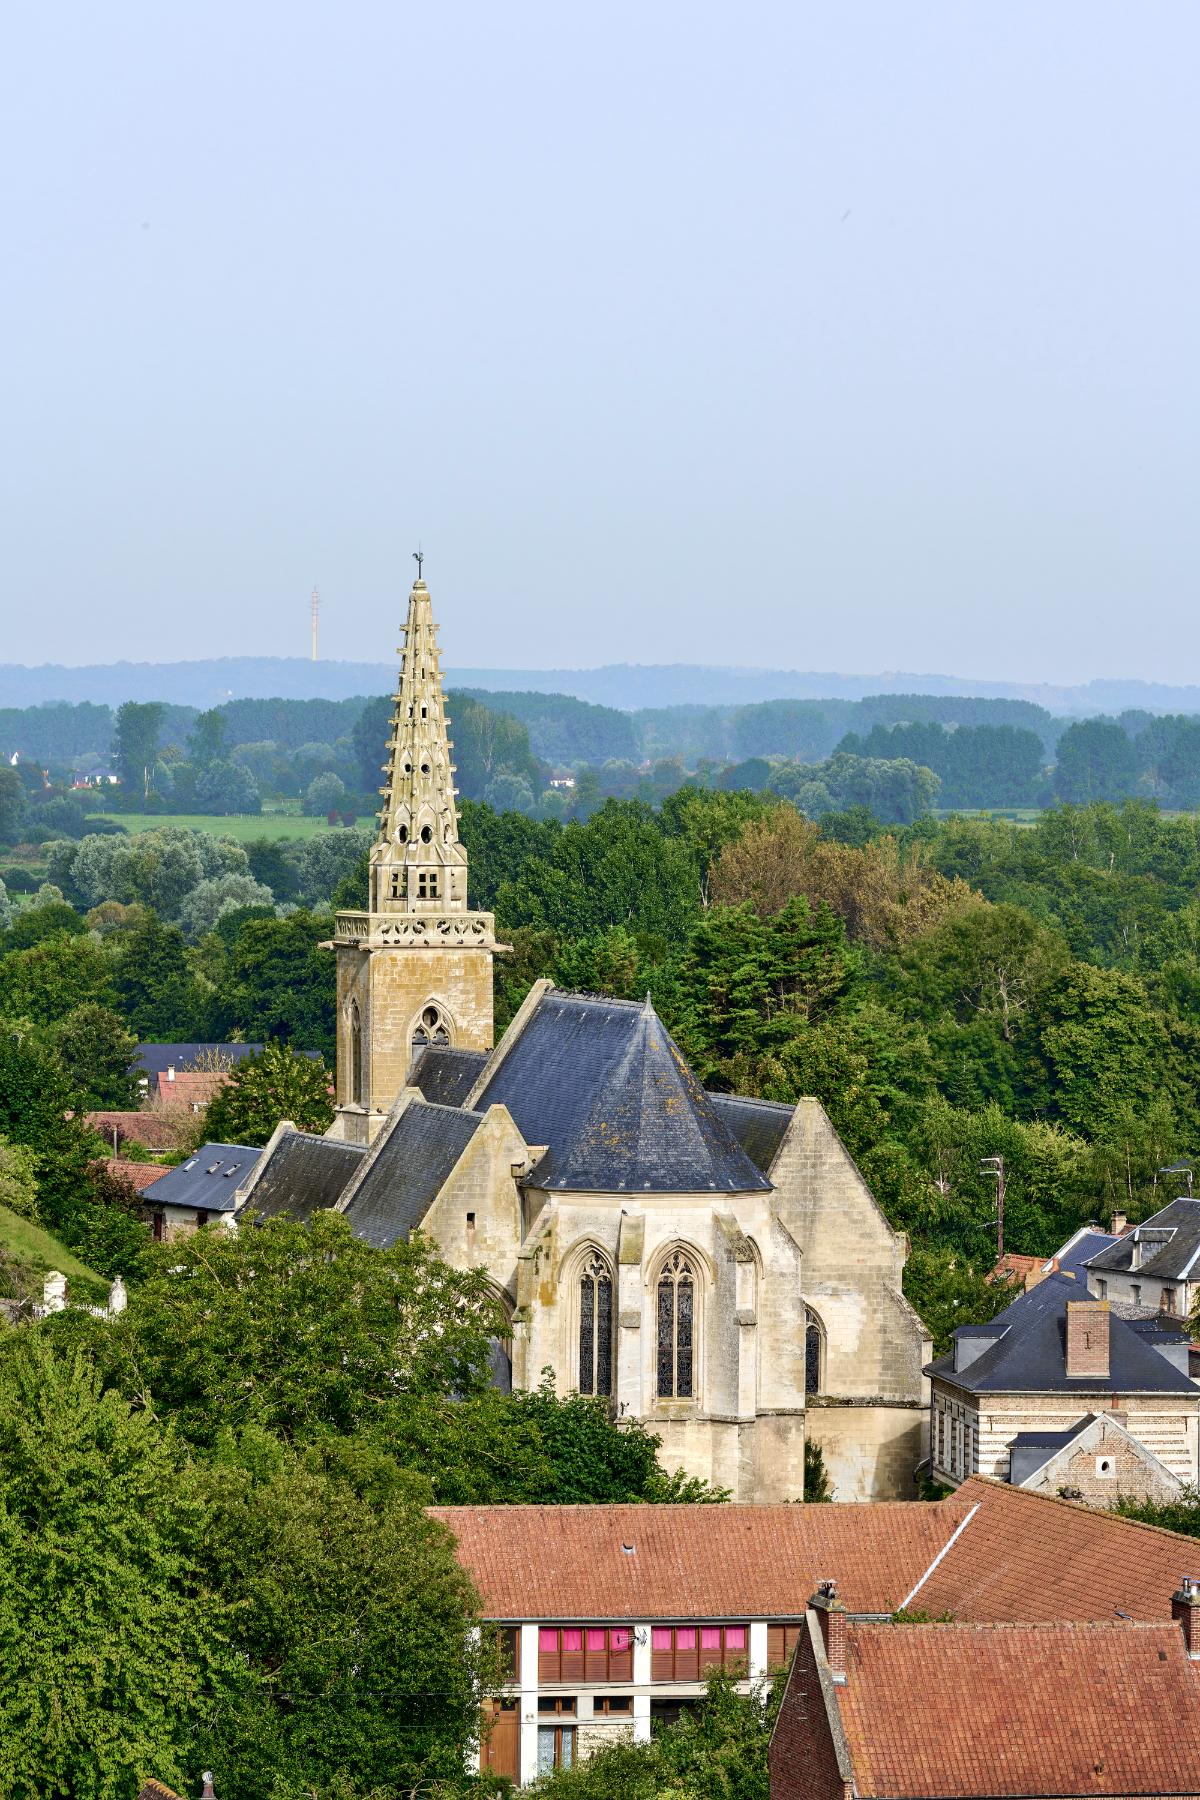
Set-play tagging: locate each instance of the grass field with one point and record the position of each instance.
(242, 827)
(33, 1245)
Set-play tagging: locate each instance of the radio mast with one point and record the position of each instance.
(316, 601)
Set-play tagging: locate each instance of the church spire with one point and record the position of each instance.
(418, 863)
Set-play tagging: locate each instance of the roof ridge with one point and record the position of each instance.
(1103, 1515)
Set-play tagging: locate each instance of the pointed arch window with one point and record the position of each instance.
(814, 1353)
(354, 1072)
(432, 1030)
(595, 1326)
(676, 1328)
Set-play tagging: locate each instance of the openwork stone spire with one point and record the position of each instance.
(417, 863)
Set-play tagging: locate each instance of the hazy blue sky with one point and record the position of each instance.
(852, 336)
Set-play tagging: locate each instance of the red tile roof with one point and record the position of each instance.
(1016, 1268)
(731, 1562)
(191, 1089)
(1019, 1709)
(1027, 1558)
(157, 1130)
(139, 1175)
(154, 1790)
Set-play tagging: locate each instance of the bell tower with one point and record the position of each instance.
(415, 970)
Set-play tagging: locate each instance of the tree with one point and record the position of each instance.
(13, 806)
(113, 1656)
(54, 978)
(18, 1179)
(272, 1084)
(280, 984)
(97, 1052)
(156, 991)
(948, 1290)
(135, 743)
(324, 794)
(210, 900)
(206, 744)
(226, 787)
(1096, 761)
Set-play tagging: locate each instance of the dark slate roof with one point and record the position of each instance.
(446, 1077)
(413, 1157)
(1170, 1242)
(156, 1059)
(210, 1179)
(604, 1085)
(1032, 1450)
(303, 1175)
(1030, 1357)
(1072, 1257)
(758, 1125)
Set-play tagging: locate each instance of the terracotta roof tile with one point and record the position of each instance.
(154, 1790)
(157, 1130)
(190, 1090)
(1004, 1709)
(139, 1175)
(1027, 1558)
(567, 1562)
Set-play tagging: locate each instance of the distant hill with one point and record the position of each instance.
(622, 685)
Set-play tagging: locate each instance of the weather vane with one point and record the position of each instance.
(419, 558)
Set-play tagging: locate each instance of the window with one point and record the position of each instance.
(814, 1353)
(354, 1054)
(556, 1748)
(1101, 1289)
(611, 1706)
(159, 1227)
(1167, 1302)
(1137, 1293)
(201, 1216)
(559, 1704)
(781, 1641)
(427, 885)
(398, 883)
(585, 1653)
(432, 1029)
(595, 1327)
(676, 1319)
(685, 1652)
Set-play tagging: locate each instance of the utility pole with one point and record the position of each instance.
(994, 1165)
(316, 600)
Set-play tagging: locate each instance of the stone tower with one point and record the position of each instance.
(416, 969)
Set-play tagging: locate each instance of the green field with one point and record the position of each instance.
(242, 828)
(33, 1245)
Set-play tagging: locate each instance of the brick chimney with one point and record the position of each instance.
(832, 1616)
(1185, 1610)
(1087, 1339)
(1119, 1222)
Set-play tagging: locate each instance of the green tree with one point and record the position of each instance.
(113, 1656)
(267, 1086)
(1095, 761)
(97, 1053)
(13, 806)
(206, 742)
(18, 1179)
(54, 978)
(947, 1290)
(135, 743)
(156, 990)
(280, 983)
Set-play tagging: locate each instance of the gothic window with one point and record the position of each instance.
(676, 1328)
(814, 1353)
(354, 1053)
(431, 1029)
(595, 1327)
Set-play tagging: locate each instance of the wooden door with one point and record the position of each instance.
(500, 1749)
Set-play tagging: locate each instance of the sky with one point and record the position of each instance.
(849, 336)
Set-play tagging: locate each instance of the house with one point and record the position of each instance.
(914, 1710)
(609, 1615)
(197, 1192)
(154, 1060)
(1156, 1264)
(712, 1265)
(1071, 1259)
(1054, 1362)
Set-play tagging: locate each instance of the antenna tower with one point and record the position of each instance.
(316, 602)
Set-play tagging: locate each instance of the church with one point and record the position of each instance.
(713, 1266)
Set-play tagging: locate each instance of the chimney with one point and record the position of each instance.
(206, 1786)
(1087, 1339)
(1119, 1222)
(832, 1616)
(1185, 1610)
(170, 1071)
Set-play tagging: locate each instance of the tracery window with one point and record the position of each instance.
(595, 1326)
(431, 1029)
(676, 1328)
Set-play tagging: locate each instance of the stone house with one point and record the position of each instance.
(712, 1265)
(1059, 1384)
(201, 1191)
(1156, 1265)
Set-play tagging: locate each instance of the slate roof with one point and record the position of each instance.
(604, 1085)
(1170, 1243)
(447, 1076)
(1054, 1709)
(695, 1562)
(1028, 1354)
(411, 1159)
(759, 1126)
(156, 1059)
(1032, 1450)
(210, 1179)
(1025, 1558)
(1074, 1255)
(302, 1175)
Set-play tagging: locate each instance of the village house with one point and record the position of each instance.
(200, 1191)
(878, 1711)
(1060, 1391)
(1156, 1265)
(712, 1265)
(610, 1615)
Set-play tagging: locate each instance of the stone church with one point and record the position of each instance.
(713, 1266)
